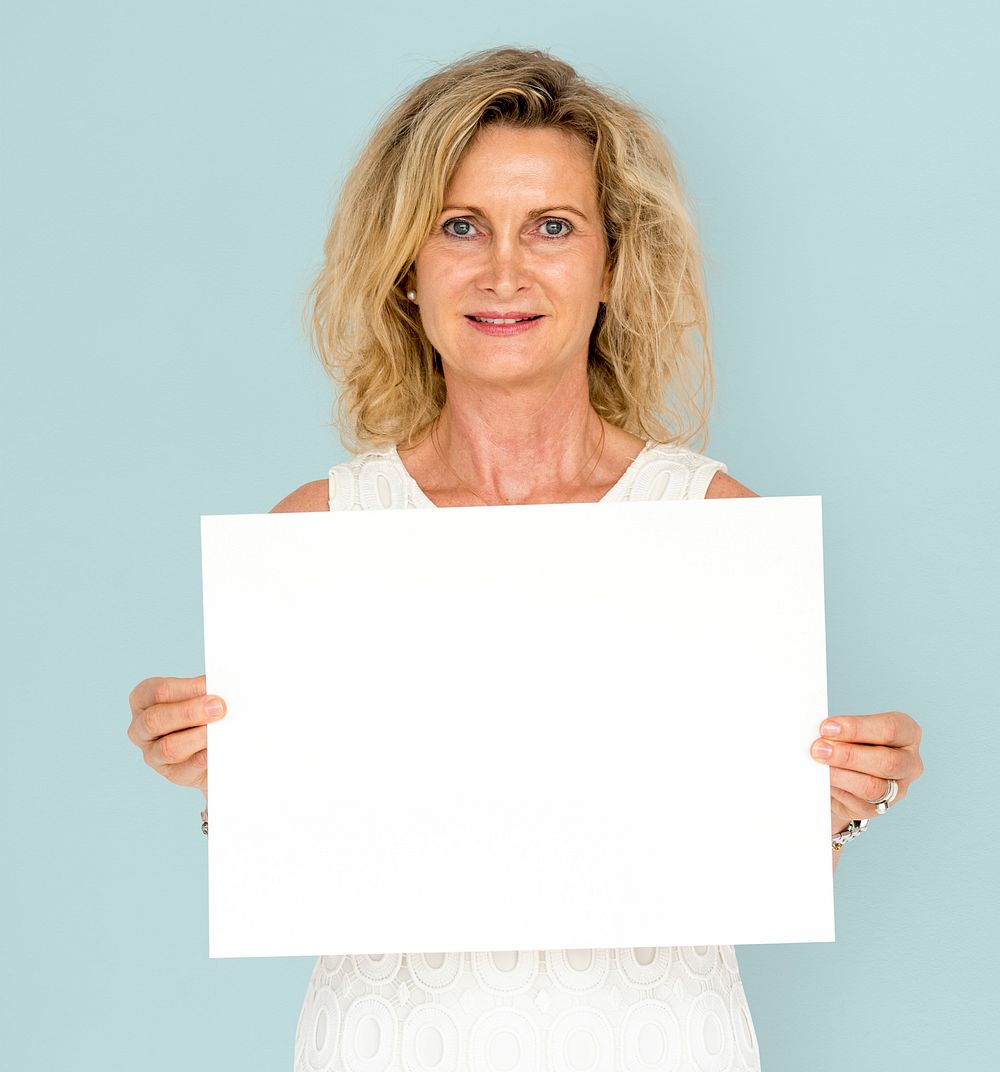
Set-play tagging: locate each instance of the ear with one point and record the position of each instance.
(606, 283)
(410, 285)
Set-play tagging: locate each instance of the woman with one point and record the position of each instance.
(509, 302)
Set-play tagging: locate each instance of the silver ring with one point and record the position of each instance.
(890, 794)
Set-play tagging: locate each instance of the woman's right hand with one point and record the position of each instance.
(169, 720)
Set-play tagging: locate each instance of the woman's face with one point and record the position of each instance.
(520, 235)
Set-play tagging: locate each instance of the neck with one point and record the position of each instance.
(512, 447)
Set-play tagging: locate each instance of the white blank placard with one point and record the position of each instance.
(524, 727)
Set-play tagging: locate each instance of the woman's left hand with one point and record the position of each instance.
(863, 752)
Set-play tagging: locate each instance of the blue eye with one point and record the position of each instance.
(549, 233)
(463, 228)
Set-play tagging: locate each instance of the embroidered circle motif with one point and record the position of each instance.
(377, 968)
(710, 1033)
(332, 965)
(746, 1037)
(646, 967)
(380, 485)
(370, 1028)
(700, 960)
(581, 1040)
(729, 958)
(324, 1033)
(507, 971)
(430, 1040)
(578, 970)
(436, 972)
(503, 1040)
(651, 1039)
(660, 480)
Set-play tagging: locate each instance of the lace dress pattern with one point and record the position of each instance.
(668, 1009)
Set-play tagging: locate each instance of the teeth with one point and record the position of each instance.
(501, 320)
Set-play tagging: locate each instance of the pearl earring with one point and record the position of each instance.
(412, 295)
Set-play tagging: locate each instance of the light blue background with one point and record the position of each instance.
(168, 172)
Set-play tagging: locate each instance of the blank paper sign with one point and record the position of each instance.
(520, 727)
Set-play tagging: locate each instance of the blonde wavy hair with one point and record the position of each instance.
(647, 372)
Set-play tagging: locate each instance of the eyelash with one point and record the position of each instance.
(548, 219)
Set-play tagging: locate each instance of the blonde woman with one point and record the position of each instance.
(512, 305)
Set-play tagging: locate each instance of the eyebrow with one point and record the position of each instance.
(531, 212)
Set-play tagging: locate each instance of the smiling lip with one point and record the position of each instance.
(524, 321)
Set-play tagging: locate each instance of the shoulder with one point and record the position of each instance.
(723, 486)
(308, 499)
(318, 495)
(675, 471)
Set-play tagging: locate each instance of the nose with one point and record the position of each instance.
(505, 270)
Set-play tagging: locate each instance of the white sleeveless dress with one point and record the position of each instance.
(669, 1009)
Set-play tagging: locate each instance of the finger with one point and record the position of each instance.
(888, 727)
(176, 747)
(863, 786)
(164, 690)
(193, 772)
(898, 763)
(852, 807)
(162, 719)
(841, 811)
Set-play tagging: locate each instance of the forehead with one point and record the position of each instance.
(536, 165)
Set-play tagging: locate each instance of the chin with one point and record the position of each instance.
(499, 367)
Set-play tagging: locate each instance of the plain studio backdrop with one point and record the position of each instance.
(168, 173)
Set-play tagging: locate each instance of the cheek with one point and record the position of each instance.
(440, 281)
(438, 290)
(577, 275)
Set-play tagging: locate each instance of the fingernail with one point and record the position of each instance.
(822, 750)
(214, 708)
(830, 729)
